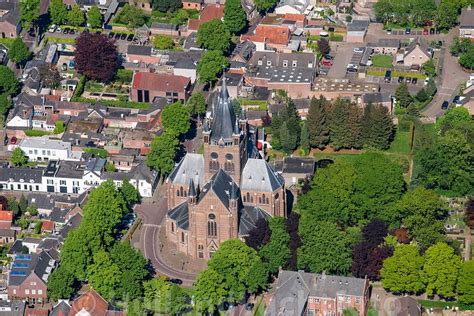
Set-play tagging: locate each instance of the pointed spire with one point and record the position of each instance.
(192, 189)
(224, 92)
(236, 128)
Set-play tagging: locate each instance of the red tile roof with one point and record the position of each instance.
(91, 302)
(274, 34)
(210, 12)
(295, 17)
(47, 226)
(159, 82)
(6, 216)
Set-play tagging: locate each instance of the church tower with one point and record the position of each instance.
(225, 138)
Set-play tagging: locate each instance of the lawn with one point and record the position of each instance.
(383, 61)
(402, 142)
(260, 308)
(436, 304)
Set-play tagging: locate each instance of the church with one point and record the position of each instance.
(221, 194)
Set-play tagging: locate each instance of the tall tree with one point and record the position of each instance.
(19, 52)
(377, 127)
(163, 153)
(276, 253)
(265, 5)
(29, 14)
(76, 253)
(292, 224)
(304, 138)
(288, 140)
(214, 35)
(131, 16)
(94, 17)
(441, 270)
(211, 290)
(61, 284)
(8, 82)
(235, 18)
(196, 104)
(259, 236)
(317, 122)
(211, 66)
(403, 272)
(75, 17)
(104, 275)
(162, 296)
(404, 99)
(96, 56)
(129, 193)
(18, 157)
(58, 12)
(465, 285)
(340, 128)
(324, 247)
(166, 5)
(163, 42)
(176, 118)
(447, 14)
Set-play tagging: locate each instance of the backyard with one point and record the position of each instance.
(383, 61)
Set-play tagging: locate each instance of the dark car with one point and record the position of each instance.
(249, 306)
(400, 79)
(457, 99)
(130, 37)
(432, 31)
(66, 31)
(445, 105)
(408, 80)
(414, 80)
(111, 34)
(388, 76)
(117, 36)
(408, 31)
(85, 31)
(176, 281)
(72, 32)
(123, 37)
(328, 57)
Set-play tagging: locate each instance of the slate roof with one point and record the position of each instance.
(258, 176)
(7, 233)
(358, 26)
(139, 50)
(16, 248)
(164, 26)
(33, 175)
(376, 97)
(249, 215)
(222, 185)
(13, 15)
(467, 18)
(180, 214)
(244, 49)
(190, 167)
(418, 42)
(71, 224)
(61, 309)
(41, 264)
(223, 116)
(296, 165)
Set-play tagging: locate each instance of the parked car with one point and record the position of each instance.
(408, 80)
(52, 28)
(388, 76)
(72, 32)
(351, 70)
(111, 34)
(400, 79)
(58, 30)
(123, 37)
(326, 62)
(72, 64)
(426, 31)
(408, 31)
(445, 105)
(117, 36)
(359, 50)
(414, 81)
(175, 281)
(389, 31)
(66, 31)
(64, 67)
(427, 79)
(328, 57)
(130, 37)
(13, 140)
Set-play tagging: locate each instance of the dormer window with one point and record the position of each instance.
(294, 64)
(285, 63)
(310, 64)
(260, 62)
(269, 62)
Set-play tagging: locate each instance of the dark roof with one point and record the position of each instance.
(164, 26)
(358, 25)
(41, 264)
(27, 175)
(222, 185)
(232, 79)
(180, 215)
(139, 50)
(223, 116)
(185, 63)
(249, 215)
(7, 232)
(41, 200)
(61, 309)
(16, 248)
(296, 165)
(13, 15)
(71, 224)
(418, 42)
(49, 243)
(376, 97)
(58, 214)
(17, 307)
(467, 18)
(244, 49)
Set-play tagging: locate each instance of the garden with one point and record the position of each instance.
(383, 61)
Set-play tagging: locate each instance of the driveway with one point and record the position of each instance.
(342, 53)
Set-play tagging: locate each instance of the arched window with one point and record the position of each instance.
(211, 226)
(277, 204)
(172, 227)
(248, 197)
(181, 191)
(244, 198)
(263, 199)
(177, 192)
(182, 237)
(259, 200)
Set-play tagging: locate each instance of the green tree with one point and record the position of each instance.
(8, 82)
(163, 42)
(431, 87)
(57, 12)
(344, 125)
(403, 272)
(456, 118)
(104, 275)
(133, 267)
(5, 106)
(465, 285)
(94, 17)
(440, 270)
(18, 157)
(76, 253)
(324, 247)
(176, 118)
(109, 167)
(447, 14)
(196, 104)
(288, 141)
(211, 66)
(430, 68)
(23, 203)
(265, 5)
(237, 263)
(276, 253)
(61, 284)
(129, 193)
(235, 18)
(210, 290)
(166, 5)
(131, 16)
(317, 122)
(59, 127)
(164, 296)
(404, 99)
(421, 96)
(163, 153)
(377, 127)
(214, 35)
(76, 17)
(19, 52)
(304, 138)
(29, 14)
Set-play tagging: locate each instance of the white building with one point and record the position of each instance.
(43, 149)
(292, 6)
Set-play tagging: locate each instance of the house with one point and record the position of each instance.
(292, 72)
(192, 5)
(387, 46)
(141, 54)
(417, 53)
(6, 219)
(466, 23)
(273, 32)
(7, 236)
(43, 149)
(295, 169)
(292, 6)
(12, 308)
(28, 277)
(243, 51)
(382, 98)
(92, 304)
(9, 19)
(234, 84)
(21, 179)
(302, 293)
(147, 86)
(31, 243)
(208, 13)
(71, 108)
(47, 226)
(137, 139)
(182, 63)
(356, 31)
(164, 29)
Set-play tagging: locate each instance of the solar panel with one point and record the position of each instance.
(23, 257)
(20, 265)
(18, 273)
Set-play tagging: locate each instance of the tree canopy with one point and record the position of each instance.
(235, 18)
(8, 82)
(276, 252)
(75, 16)
(176, 117)
(29, 13)
(19, 52)
(214, 35)
(163, 152)
(94, 17)
(61, 284)
(131, 16)
(465, 285)
(317, 122)
(58, 12)
(166, 5)
(211, 65)
(163, 42)
(162, 296)
(18, 157)
(196, 104)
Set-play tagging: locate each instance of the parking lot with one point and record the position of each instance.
(342, 53)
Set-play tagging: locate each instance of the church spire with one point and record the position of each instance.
(223, 120)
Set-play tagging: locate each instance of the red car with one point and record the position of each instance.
(426, 31)
(13, 140)
(327, 63)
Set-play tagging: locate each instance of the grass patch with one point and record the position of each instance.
(381, 73)
(60, 40)
(372, 312)
(102, 153)
(371, 72)
(337, 156)
(260, 308)
(336, 37)
(384, 61)
(402, 143)
(93, 86)
(437, 304)
(36, 133)
(7, 42)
